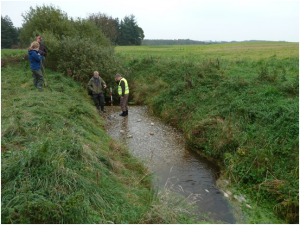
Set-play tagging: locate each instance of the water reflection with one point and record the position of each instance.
(164, 151)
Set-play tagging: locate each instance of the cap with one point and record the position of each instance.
(39, 37)
(117, 75)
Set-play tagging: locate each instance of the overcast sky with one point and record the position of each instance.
(186, 19)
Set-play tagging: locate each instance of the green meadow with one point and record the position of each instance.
(12, 52)
(231, 51)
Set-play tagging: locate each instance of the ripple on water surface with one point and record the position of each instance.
(163, 149)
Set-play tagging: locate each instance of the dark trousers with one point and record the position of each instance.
(99, 100)
(43, 60)
(38, 78)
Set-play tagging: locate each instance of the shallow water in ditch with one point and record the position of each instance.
(164, 151)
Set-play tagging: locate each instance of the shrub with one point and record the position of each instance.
(77, 47)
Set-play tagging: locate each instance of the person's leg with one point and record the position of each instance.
(43, 60)
(40, 79)
(123, 106)
(126, 97)
(102, 102)
(34, 78)
(96, 101)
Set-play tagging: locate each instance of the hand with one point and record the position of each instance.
(104, 86)
(121, 96)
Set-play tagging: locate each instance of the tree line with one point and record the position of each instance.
(187, 42)
(119, 32)
(9, 33)
(173, 42)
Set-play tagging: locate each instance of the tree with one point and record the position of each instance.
(108, 25)
(48, 19)
(126, 32)
(9, 34)
(41, 19)
(130, 32)
(84, 29)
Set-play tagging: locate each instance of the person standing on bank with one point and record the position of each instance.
(42, 49)
(97, 85)
(123, 91)
(35, 65)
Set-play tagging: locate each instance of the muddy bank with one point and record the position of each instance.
(163, 150)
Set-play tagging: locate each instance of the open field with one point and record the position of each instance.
(235, 51)
(12, 51)
(232, 51)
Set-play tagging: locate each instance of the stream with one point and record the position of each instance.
(164, 151)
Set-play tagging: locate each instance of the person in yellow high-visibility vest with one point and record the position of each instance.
(123, 91)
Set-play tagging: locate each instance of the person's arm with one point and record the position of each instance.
(90, 85)
(36, 57)
(42, 50)
(123, 88)
(103, 83)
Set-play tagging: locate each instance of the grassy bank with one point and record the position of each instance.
(242, 112)
(58, 165)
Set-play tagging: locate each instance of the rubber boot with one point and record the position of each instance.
(123, 113)
(98, 108)
(102, 109)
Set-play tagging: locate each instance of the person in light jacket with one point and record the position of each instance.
(35, 65)
(123, 91)
(97, 86)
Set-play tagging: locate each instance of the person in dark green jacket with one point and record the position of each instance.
(97, 86)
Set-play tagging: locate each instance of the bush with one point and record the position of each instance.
(44, 19)
(75, 47)
(78, 57)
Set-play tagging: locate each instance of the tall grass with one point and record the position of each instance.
(242, 112)
(58, 165)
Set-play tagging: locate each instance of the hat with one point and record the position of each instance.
(39, 37)
(117, 75)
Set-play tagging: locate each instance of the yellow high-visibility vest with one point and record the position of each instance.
(126, 87)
